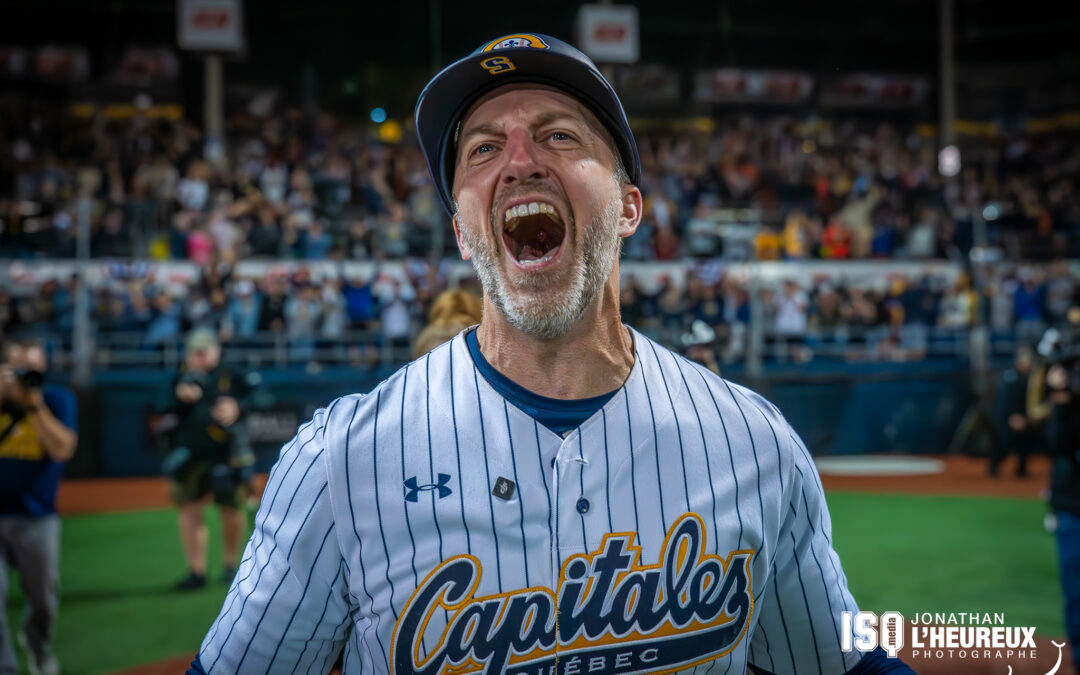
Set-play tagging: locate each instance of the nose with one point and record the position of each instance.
(522, 159)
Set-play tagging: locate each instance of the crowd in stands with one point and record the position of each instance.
(899, 317)
(302, 187)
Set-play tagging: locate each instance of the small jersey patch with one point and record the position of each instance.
(504, 488)
(518, 41)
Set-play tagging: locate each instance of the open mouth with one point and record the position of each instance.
(533, 233)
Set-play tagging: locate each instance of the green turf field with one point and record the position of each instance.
(118, 608)
(904, 553)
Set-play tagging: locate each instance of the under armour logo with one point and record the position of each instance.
(412, 490)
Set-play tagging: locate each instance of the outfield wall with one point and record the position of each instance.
(861, 408)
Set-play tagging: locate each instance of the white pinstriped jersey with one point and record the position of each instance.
(682, 528)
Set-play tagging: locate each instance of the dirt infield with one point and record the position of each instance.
(962, 476)
(109, 495)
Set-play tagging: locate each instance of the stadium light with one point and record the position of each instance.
(949, 161)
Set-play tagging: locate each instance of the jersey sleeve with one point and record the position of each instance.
(799, 623)
(288, 606)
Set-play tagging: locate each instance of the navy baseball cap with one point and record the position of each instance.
(513, 59)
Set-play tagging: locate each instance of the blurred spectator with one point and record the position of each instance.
(702, 240)
(1013, 431)
(335, 319)
(392, 238)
(242, 317)
(395, 312)
(113, 240)
(193, 192)
(1028, 307)
(272, 306)
(665, 243)
(303, 312)
(959, 305)
(316, 242)
(791, 313)
(767, 244)
(164, 327)
(452, 312)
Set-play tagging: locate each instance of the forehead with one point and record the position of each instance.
(525, 102)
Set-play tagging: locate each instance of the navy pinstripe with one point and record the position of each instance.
(806, 601)
(330, 502)
(348, 491)
(708, 469)
(307, 586)
(633, 473)
(656, 455)
(261, 569)
(607, 473)
(326, 605)
(487, 473)
(521, 502)
(543, 477)
(271, 488)
(813, 553)
(378, 501)
(457, 454)
(431, 460)
(282, 580)
(678, 427)
(783, 621)
(405, 473)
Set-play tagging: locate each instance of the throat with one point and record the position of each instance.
(568, 368)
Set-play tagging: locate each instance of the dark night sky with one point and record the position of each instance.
(385, 47)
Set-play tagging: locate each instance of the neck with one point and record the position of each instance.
(594, 358)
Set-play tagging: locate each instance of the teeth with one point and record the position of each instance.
(530, 209)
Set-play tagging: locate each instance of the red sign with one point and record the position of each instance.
(609, 32)
(210, 25)
(210, 19)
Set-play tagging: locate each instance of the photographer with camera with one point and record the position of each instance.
(1055, 389)
(38, 433)
(211, 454)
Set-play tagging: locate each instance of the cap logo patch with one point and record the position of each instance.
(497, 64)
(521, 40)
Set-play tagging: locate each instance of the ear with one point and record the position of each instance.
(631, 210)
(462, 248)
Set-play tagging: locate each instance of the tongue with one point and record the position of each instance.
(529, 252)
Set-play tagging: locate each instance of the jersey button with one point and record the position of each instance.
(583, 505)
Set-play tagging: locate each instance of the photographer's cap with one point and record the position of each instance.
(513, 59)
(200, 339)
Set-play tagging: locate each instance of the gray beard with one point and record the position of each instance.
(548, 305)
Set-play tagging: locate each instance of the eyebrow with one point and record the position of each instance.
(492, 129)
